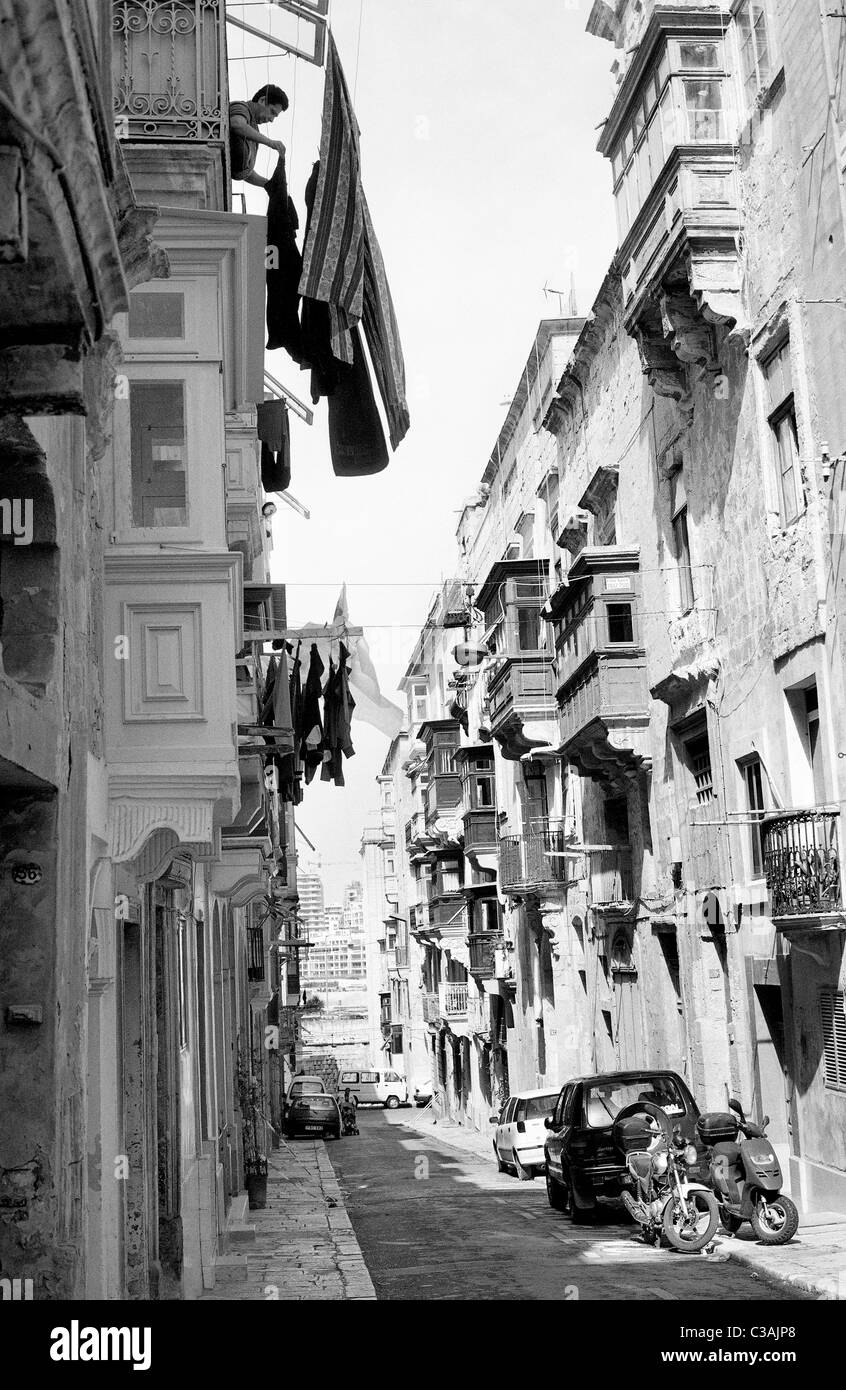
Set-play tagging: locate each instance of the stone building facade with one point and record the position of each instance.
(649, 628)
(147, 899)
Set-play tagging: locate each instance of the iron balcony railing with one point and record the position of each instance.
(525, 861)
(802, 862)
(453, 998)
(255, 953)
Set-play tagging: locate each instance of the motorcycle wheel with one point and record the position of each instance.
(691, 1225)
(730, 1223)
(775, 1221)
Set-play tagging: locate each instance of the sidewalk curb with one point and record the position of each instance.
(804, 1283)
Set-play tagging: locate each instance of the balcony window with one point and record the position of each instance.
(783, 431)
(158, 450)
(698, 754)
(699, 55)
(681, 541)
(755, 60)
(753, 780)
(419, 702)
(620, 623)
(703, 103)
(528, 629)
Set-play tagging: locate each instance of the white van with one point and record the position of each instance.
(385, 1088)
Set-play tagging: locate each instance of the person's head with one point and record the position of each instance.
(272, 99)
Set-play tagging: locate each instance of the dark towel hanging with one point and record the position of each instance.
(356, 437)
(284, 267)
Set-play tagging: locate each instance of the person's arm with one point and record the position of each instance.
(242, 128)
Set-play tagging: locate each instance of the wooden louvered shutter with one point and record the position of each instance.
(833, 1017)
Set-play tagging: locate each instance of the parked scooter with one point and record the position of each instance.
(664, 1201)
(746, 1176)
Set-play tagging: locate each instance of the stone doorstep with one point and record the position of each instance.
(237, 1235)
(231, 1269)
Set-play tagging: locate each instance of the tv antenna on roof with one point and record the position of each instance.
(572, 311)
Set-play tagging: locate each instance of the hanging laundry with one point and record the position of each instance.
(284, 267)
(291, 786)
(312, 744)
(282, 707)
(356, 438)
(382, 333)
(342, 262)
(272, 423)
(338, 705)
(274, 431)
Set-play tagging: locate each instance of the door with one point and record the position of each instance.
(627, 1043)
(771, 1076)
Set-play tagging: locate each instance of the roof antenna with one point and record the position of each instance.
(572, 311)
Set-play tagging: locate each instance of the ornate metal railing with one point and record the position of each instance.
(168, 73)
(524, 862)
(453, 999)
(802, 862)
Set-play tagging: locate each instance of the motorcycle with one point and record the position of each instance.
(746, 1177)
(664, 1202)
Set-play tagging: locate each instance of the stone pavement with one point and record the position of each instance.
(814, 1261)
(428, 1121)
(302, 1245)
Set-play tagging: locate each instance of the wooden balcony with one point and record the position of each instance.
(802, 863)
(601, 664)
(431, 1007)
(479, 831)
(483, 949)
(523, 686)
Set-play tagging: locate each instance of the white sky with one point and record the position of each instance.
(478, 126)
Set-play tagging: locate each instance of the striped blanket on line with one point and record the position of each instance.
(342, 261)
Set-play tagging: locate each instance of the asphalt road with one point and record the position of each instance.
(436, 1223)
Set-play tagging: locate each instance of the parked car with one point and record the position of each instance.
(520, 1134)
(583, 1166)
(312, 1115)
(385, 1088)
(423, 1092)
(305, 1086)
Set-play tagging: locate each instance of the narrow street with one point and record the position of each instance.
(435, 1223)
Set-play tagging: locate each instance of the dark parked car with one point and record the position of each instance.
(314, 1115)
(583, 1167)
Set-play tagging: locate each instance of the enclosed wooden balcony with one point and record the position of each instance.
(601, 664)
(520, 690)
(483, 948)
(442, 797)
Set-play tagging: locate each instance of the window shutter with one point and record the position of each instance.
(833, 1018)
